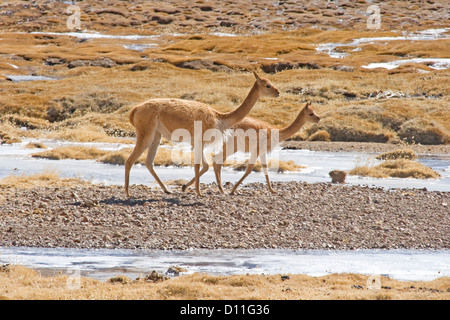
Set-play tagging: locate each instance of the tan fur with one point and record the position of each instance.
(161, 117)
(307, 114)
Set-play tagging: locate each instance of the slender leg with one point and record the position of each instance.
(218, 168)
(205, 168)
(151, 156)
(247, 172)
(197, 179)
(250, 166)
(141, 145)
(263, 158)
(218, 171)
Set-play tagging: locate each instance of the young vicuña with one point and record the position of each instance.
(261, 147)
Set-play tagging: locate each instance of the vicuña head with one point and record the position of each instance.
(266, 88)
(310, 114)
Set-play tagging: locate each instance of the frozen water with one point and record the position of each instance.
(95, 35)
(17, 160)
(434, 63)
(431, 34)
(105, 263)
(28, 78)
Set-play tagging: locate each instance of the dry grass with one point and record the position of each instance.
(399, 168)
(45, 179)
(78, 153)
(91, 103)
(83, 133)
(406, 153)
(164, 157)
(20, 283)
(36, 145)
(274, 165)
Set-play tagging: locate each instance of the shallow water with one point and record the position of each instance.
(105, 263)
(434, 63)
(425, 35)
(97, 35)
(16, 160)
(28, 78)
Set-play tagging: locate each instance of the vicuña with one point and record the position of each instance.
(161, 117)
(256, 146)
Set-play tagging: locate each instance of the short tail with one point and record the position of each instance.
(131, 116)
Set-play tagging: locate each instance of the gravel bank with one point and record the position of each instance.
(337, 146)
(300, 216)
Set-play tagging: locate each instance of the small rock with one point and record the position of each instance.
(175, 270)
(337, 176)
(54, 61)
(285, 277)
(206, 8)
(101, 62)
(162, 19)
(357, 286)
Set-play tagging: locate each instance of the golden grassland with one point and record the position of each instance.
(239, 16)
(91, 103)
(20, 283)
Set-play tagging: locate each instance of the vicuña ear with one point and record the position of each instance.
(256, 75)
(308, 104)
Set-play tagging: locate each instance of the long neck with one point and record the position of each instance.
(291, 129)
(231, 118)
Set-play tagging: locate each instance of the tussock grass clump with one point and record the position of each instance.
(26, 122)
(36, 145)
(7, 138)
(399, 168)
(279, 166)
(45, 179)
(82, 133)
(424, 132)
(75, 106)
(118, 157)
(407, 154)
(164, 157)
(320, 135)
(350, 129)
(77, 153)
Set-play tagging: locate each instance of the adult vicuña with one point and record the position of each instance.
(161, 117)
(307, 114)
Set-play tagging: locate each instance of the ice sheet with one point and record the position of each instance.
(104, 263)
